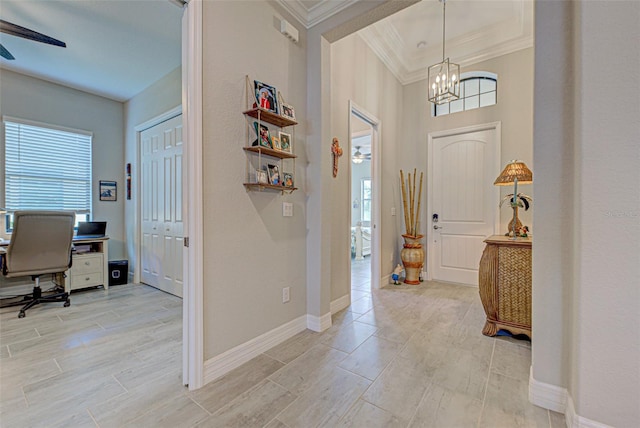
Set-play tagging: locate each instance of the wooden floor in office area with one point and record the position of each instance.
(402, 356)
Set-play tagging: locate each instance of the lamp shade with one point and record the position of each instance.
(514, 169)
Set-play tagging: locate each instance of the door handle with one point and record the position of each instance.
(436, 227)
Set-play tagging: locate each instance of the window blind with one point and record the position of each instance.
(47, 168)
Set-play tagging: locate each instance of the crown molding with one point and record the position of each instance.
(317, 13)
(471, 48)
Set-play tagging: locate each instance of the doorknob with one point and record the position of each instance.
(436, 227)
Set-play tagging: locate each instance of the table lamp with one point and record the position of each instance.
(515, 172)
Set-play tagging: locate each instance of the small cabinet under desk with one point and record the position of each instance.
(90, 265)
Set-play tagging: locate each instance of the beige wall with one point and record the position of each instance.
(358, 75)
(587, 262)
(158, 98)
(514, 110)
(29, 98)
(250, 250)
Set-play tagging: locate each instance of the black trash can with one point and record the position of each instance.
(118, 272)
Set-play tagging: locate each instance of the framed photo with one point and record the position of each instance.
(266, 96)
(274, 175)
(108, 190)
(287, 179)
(287, 111)
(285, 141)
(261, 176)
(275, 142)
(264, 138)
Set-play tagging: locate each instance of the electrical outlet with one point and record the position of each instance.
(393, 210)
(285, 294)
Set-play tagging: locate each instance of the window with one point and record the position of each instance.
(477, 89)
(46, 168)
(365, 193)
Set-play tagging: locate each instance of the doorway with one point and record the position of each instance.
(463, 202)
(364, 202)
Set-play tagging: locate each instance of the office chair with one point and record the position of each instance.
(40, 244)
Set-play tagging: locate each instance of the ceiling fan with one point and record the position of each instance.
(359, 157)
(25, 33)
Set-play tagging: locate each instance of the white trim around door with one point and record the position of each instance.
(376, 132)
(193, 316)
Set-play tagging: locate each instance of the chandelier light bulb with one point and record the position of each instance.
(437, 79)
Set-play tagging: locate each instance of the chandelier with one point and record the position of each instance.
(444, 77)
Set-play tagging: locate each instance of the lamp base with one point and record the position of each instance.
(514, 221)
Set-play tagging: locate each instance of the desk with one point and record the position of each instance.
(89, 267)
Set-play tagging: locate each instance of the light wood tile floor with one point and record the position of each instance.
(402, 357)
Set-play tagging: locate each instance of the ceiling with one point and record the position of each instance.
(114, 48)
(118, 48)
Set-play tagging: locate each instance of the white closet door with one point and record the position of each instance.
(161, 201)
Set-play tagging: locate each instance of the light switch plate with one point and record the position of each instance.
(287, 209)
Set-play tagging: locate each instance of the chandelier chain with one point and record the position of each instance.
(444, 20)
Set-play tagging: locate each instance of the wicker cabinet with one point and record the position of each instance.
(505, 285)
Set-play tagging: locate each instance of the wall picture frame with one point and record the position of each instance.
(274, 175)
(287, 179)
(261, 176)
(266, 96)
(285, 141)
(275, 143)
(264, 137)
(108, 190)
(287, 111)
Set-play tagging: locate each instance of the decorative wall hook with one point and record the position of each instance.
(336, 150)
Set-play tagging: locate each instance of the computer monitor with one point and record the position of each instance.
(91, 229)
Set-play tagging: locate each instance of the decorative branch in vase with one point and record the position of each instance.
(412, 254)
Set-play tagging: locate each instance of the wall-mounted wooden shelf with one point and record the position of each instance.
(270, 152)
(270, 117)
(267, 159)
(263, 186)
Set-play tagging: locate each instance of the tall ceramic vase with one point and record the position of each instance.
(412, 256)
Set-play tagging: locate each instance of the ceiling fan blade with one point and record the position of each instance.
(5, 53)
(25, 33)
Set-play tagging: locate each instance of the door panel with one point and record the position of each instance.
(161, 189)
(464, 167)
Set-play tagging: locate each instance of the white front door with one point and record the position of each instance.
(464, 201)
(161, 190)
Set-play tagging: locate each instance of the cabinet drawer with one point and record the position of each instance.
(87, 264)
(86, 280)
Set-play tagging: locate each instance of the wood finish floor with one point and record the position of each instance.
(399, 357)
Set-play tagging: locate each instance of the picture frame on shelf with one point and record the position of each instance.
(266, 96)
(287, 179)
(263, 136)
(108, 190)
(275, 143)
(287, 111)
(261, 176)
(274, 175)
(285, 141)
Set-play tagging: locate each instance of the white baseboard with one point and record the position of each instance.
(559, 400)
(319, 323)
(235, 357)
(576, 421)
(547, 396)
(340, 303)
